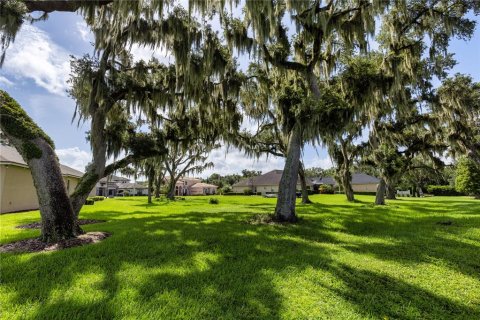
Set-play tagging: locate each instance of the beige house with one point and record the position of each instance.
(361, 182)
(203, 189)
(17, 192)
(265, 183)
(193, 187)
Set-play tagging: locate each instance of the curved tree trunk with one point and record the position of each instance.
(380, 196)
(303, 181)
(95, 170)
(36, 148)
(285, 208)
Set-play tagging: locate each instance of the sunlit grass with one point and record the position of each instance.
(194, 260)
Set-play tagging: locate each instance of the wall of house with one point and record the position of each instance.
(262, 189)
(17, 190)
(199, 191)
(364, 187)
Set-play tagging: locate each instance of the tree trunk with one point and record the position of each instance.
(303, 181)
(58, 219)
(171, 188)
(347, 186)
(37, 150)
(285, 209)
(391, 191)
(95, 170)
(151, 177)
(158, 184)
(380, 196)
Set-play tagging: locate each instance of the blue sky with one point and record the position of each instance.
(37, 67)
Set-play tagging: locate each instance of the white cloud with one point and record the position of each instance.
(84, 30)
(35, 56)
(5, 81)
(234, 161)
(146, 53)
(74, 157)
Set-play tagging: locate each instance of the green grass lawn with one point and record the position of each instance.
(194, 260)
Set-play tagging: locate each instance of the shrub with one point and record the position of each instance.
(247, 192)
(468, 177)
(97, 198)
(213, 201)
(89, 202)
(443, 191)
(325, 189)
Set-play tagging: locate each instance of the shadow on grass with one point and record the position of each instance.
(214, 265)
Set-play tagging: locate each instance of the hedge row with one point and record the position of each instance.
(443, 191)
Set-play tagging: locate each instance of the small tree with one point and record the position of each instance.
(468, 177)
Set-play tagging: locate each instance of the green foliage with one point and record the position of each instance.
(213, 201)
(326, 189)
(443, 191)
(30, 151)
(97, 198)
(250, 173)
(468, 176)
(247, 192)
(89, 202)
(15, 122)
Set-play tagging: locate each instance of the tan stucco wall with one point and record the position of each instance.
(17, 190)
(262, 189)
(199, 191)
(364, 187)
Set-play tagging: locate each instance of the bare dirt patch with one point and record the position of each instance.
(38, 225)
(36, 245)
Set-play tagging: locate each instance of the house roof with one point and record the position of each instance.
(203, 185)
(363, 178)
(10, 155)
(357, 178)
(131, 185)
(324, 180)
(114, 179)
(271, 178)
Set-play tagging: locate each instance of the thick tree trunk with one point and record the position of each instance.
(171, 189)
(158, 184)
(37, 150)
(58, 219)
(151, 177)
(391, 192)
(285, 209)
(303, 181)
(380, 196)
(347, 186)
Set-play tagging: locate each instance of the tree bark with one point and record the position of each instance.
(391, 193)
(58, 219)
(171, 188)
(96, 170)
(158, 184)
(285, 208)
(37, 150)
(347, 186)
(151, 177)
(303, 181)
(380, 196)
